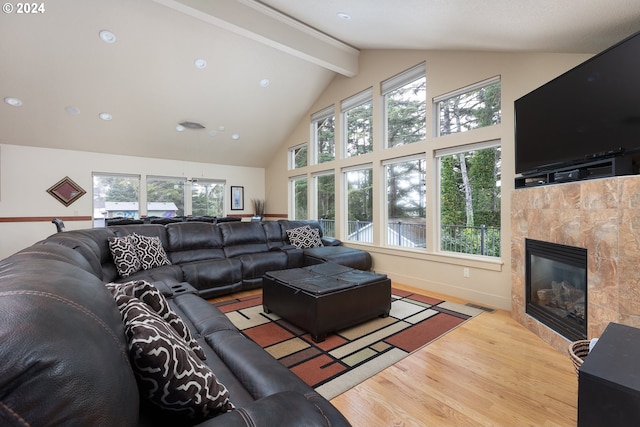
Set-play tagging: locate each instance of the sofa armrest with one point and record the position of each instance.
(284, 409)
(331, 241)
(295, 255)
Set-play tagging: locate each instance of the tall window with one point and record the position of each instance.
(115, 196)
(298, 156)
(470, 199)
(359, 186)
(326, 202)
(406, 203)
(298, 197)
(207, 198)
(469, 108)
(405, 102)
(358, 119)
(324, 130)
(165, 196)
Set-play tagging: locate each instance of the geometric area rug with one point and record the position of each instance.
(349, 356)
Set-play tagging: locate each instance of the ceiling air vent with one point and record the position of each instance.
(192, 125)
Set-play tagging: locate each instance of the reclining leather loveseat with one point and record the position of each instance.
(65, 355)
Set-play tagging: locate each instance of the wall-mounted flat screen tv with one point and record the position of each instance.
(591, 111)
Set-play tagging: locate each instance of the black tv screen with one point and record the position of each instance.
(591, 110)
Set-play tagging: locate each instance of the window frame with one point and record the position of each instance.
(293, 151)
(100, 222)
(316, 118)
(327, 231)
(422, 157)
(345, 171)
(195, 182)
(457, 93)
(449, 151)
(186, 205)
(396, 82)
(350, 104)
(293, 198)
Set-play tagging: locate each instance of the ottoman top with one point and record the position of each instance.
(324, 278)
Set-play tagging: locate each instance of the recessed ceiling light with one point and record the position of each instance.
(72, 110)
(264, 82)
(180, 128)
(14, 102)
(105, 116)
(213, 133)
(107, 36)
(344, 16)
(221, 128)
(235, 136)
(201, 63)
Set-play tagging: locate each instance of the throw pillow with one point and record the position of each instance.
(150, 251)
(151, 296)
(304, 237)
(169, 373)
(124, 255)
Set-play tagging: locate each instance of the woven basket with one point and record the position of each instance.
(578, 351)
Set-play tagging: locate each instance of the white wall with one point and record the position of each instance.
(27, 172)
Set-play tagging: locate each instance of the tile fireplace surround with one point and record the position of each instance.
(601, 215)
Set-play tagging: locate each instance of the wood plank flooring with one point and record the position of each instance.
(490, 371)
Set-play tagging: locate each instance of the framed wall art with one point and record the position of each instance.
(237, 198)
(66, 191)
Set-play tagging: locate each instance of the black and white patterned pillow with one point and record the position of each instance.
(151, 296)
(150, 251)
(169, 374)
(124, 255)
(304, 237)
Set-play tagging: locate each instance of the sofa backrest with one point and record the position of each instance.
(64, 353)
(273, 231)
(194, 241)
(241, 238)
(93, 244)
(149, 230)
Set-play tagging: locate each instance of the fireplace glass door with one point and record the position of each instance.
(557, 287)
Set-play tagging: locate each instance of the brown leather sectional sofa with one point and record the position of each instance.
(65, 356)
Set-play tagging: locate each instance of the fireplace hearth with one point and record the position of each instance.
(556, 287)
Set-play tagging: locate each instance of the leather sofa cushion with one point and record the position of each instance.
(255, 265)
(243, 238)
(273, 231)
(213, 273)
(63, 352)
(149, 230)
(166, 272)
(194, 241)
(343, 255)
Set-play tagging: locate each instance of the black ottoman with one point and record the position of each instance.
(326, 297)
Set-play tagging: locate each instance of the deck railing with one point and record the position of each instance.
(475, 240)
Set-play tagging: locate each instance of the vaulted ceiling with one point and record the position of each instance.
(266, 63)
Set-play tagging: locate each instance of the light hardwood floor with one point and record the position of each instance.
(490, 371)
